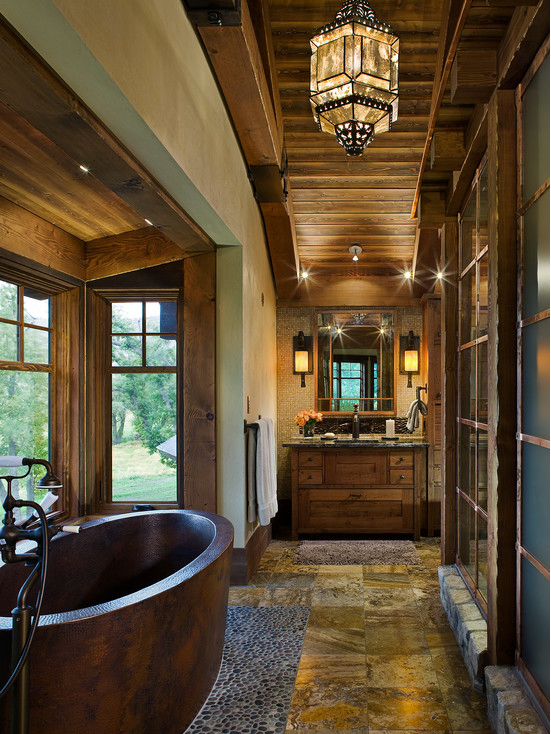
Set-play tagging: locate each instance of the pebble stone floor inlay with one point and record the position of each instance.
(378, 655)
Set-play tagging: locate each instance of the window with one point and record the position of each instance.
(472, 429)
(26, 369)
(533, 419)
(142, 401)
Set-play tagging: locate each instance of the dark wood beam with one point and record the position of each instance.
(130, 251)
(447, 150)
(31, 237)
(473, 75)
(460, 181)
(35, 93)
(527, 31)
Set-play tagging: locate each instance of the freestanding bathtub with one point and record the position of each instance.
(132, 629)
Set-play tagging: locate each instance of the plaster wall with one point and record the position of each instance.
(139, 66)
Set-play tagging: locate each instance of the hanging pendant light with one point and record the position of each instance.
(354, 76)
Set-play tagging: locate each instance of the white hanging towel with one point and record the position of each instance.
(416, 407)
(251, 474)
(266, 478)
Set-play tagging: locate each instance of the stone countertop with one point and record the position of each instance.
(339, 442)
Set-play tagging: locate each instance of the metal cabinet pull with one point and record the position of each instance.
(402, 458)
(354, 495)
(402, 476)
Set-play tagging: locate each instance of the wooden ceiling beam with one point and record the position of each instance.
(245, 70)
(40, 97)
(130, 251)
(447, 150)
(473, 75)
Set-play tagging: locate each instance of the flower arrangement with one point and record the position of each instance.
(307, 419)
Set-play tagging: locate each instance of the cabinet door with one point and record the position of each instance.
(356, 510)
(356, 468)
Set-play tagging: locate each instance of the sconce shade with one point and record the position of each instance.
(301, 361)
(354, 76)
(411, 360)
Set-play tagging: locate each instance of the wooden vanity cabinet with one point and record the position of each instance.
(356, 490)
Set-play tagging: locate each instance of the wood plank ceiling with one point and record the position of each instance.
(339, 201)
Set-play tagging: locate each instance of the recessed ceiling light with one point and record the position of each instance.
(304, 274)
(439, 275)
(84, 168)
(407, 275)
(148, 222)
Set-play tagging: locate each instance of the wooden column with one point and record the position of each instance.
(502, 273)
(197, 439)
(449, 241)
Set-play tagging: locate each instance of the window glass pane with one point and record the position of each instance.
(160, 352)
(482, 396)
(126, 318)
(467, 537)
(36, 307)
(466, 460)
(535, 501)
(36, 346)
(482, 557)
(467, 307)
(535, 379)
(467, 383)
(161, 317)
(468, 232)
(126, 351)
(483, 209)
(482, 470)
(535, 118)
(8, 342)
(8, 301)
(24, 425)
(534, 647)
(535, 288)
(143, 419)
(483, 296)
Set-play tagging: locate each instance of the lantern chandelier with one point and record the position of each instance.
(354, 76)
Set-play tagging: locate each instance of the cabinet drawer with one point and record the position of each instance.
(356, 467)
(313, 458)
(401, 458)
(310, 476)
(401, 476)
(355, 510)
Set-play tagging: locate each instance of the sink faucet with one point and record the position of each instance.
(356, 422)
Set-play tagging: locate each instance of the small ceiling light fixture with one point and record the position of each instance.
(407, 275)
(148, 222)
(84, 168)
(355, 250)
(302, 356)
(439, 275)
(354, 76)
(304, 274)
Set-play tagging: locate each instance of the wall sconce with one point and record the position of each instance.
(302, 356)
(409, 355)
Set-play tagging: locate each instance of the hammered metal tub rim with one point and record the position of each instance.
(222, 535)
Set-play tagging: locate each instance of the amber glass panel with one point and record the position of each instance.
(482, 470)
(467, 383)
(483, 210)
(482, 391)
(467, 537)
(483, 296)
(468, 232)
(466, 463)
(467, 307)
(482, 560)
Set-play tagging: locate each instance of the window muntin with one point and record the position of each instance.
(143, 400)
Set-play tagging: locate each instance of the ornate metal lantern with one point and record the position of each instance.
(354, 76)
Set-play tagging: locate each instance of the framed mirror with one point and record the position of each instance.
(355, 361)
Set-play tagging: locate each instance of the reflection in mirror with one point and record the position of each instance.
(355, 361)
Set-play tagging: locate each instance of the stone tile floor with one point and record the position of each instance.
(379, 656)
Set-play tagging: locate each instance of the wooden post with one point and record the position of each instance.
(502, 311)
(197, 442)
(449, 241)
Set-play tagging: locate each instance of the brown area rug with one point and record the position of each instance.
(356, 552)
